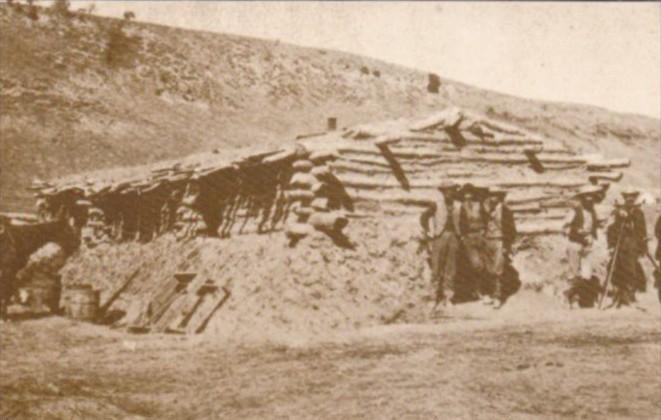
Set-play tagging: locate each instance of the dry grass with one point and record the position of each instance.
(581, 364)
(65, 109)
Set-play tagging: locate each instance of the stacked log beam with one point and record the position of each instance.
(435, 158)
(370, 183)
(605, 165)
(309, 186)
(300, 196)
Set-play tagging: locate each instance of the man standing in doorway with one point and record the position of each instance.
(499, 236)
(440, 231)
(472, 230)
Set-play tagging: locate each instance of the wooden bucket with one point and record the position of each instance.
(82, 303)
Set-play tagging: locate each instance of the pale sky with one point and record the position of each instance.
(605, 54)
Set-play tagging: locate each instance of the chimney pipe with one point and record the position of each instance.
(332, 123)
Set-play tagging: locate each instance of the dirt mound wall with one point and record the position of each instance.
(308, 289)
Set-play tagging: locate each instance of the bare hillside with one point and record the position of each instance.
(83, 93)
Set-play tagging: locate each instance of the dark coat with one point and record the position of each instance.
(629, 229)
(630, 221)
(578, 222)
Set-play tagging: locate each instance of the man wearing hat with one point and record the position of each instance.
(472, 227)
(581, 229)
(499, 236)
(439, 228)
(627, 242)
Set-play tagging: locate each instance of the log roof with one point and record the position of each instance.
(452, 136)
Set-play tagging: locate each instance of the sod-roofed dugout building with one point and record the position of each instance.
(324, 182)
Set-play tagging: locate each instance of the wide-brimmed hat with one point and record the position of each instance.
(630, 193)
(447, 186)
(95, 210)
(83, 203)
(588, 190)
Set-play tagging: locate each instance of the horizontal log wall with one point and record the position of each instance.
(540, 199)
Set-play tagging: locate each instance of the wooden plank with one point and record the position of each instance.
(423, 198)
(378, 160)
(344, 167)
(605, 165)
(280, 156)
(368, 182)
(545, 214)
(555, 168)
(504, 154)
(174, 311)
(511, 150)
(187, 309)
(181, 308)
(473, 139)
(323, 156)
(605, 176)
(540, 228)
(401, 197)
(165, 304)
(399, 152)
(544, 158)
(309, 135)
(415, 169)
(121, 289)
(212, 303)
(438, 158)
(524, 208)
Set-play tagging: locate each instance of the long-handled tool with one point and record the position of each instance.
(207, 288)
(611, 268)
(654, 263)
(208, 316)
(104, 308)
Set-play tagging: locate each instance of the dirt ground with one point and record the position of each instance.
(532, 359)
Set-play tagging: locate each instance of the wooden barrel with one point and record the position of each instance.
(82, 303)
